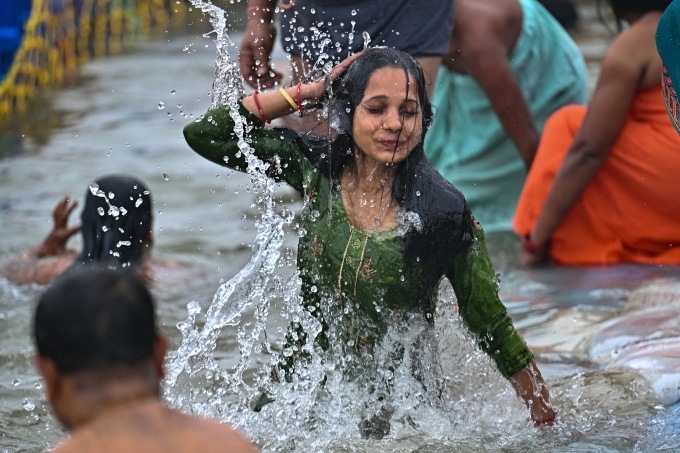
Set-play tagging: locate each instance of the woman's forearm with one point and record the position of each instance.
(580, 166)
(273, 104)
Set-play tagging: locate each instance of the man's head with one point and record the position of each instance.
(97, 340)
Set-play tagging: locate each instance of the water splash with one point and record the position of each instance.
(195, 354)
(407, 390)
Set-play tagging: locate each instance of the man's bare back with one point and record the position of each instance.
(149, 426)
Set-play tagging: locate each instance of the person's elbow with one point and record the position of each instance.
(586, 153)
(192, 135)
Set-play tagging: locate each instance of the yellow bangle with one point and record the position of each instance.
(288, 98)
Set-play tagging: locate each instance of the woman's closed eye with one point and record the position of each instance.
(375, 110)
(381, 110)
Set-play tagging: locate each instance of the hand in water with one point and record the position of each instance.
(55, 243)
(256, 47)
(531, 387)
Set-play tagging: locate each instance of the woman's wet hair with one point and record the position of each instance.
(622, 7)
(418, 186)
(116, 222)
(91, 319)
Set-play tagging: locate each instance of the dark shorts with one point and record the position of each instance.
(333, 29)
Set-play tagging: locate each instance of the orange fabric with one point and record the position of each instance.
(630, 212)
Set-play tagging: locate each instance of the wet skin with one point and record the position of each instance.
(387, 126)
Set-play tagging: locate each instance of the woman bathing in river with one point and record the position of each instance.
(382, 226)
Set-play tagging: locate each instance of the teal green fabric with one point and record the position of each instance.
(467, 142)
(668, 43)
(353, 282)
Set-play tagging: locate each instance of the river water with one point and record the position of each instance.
(578, 321)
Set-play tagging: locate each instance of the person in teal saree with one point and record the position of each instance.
(382, 226)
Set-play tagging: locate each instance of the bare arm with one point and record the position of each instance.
(622, 73)
(485, 41)
(274, 104)
(530, 386)
(257, 45)
(55, 242)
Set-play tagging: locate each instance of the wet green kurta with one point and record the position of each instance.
(360, 279)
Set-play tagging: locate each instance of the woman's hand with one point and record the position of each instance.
(531, 387)
(318, 88)
(55, 242)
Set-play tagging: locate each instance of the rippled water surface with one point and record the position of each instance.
(577, 320)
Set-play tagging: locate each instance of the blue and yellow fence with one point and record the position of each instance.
(43, 41)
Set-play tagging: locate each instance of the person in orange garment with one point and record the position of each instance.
(101, 356)
(605, 182)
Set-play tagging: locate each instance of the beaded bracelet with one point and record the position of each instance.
(259, 107)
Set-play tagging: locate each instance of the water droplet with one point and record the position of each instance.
(28, 404)
(313, 289)
(302, 232)
(354, 12)
(101, 211)
(417, 193)
(166, 177)
(173, 92)
(38, 385)
(16, 382)
(161, 105)
(105, 228)
(194, 307)
(128, 243)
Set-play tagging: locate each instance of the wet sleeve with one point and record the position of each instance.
(476, 287)
(213, 137)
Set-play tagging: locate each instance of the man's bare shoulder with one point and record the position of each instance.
(484, 23)
(469, 14)
(154, 428)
